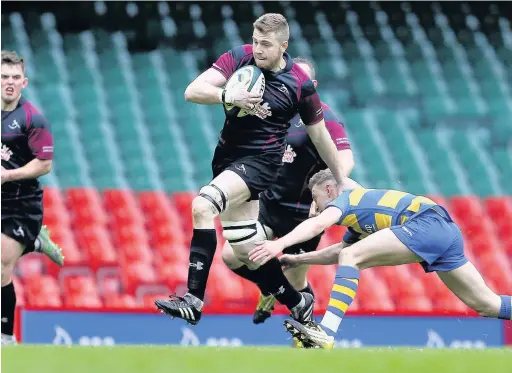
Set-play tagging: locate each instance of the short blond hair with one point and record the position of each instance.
(321, 177)
(273, 22)
(12, 58)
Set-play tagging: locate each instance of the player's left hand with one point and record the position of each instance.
(265, 250)
(5, 175)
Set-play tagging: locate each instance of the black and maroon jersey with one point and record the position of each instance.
(287, 92)
(26, 135)
(301, 161)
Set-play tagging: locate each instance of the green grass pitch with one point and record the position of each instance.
(158, 359)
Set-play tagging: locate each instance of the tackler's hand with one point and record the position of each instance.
(289, 261)
(264, 251)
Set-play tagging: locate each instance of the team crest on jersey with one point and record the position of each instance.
(6, 153)
(289, 155)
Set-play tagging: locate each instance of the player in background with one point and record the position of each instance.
(27, 150)
(287, 202)
(385, 228)
(247, 159)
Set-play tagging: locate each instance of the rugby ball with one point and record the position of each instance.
(250, 78)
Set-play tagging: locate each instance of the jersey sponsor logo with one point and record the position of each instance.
(18, 232)
(284, 89)
(261, 111)
(289, 155)
(300, 123)
(6, 153)
(241, 167)
(198, 266)
(14, 125)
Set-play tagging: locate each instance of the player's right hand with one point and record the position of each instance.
(242, 99)
(289, 261)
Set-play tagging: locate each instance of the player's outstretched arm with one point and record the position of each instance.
(322, 140)
(32, 170)
(306, 230)
(206, 88)
(327, 256)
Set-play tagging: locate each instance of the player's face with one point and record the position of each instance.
(267, 50)
(13, 81)
(308, 72)
(323, 194)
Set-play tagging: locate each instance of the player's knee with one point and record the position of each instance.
(210, 202)
(229, 258)
(202, 209)
(7, 268)
(242, 235)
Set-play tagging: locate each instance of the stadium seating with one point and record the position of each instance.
(423, 88)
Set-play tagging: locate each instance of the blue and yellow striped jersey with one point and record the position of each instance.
(365, 211)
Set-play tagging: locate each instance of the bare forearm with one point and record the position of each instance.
(326, 256)
(203, 93)
(303, 232)
(328, 152)
(31, 170)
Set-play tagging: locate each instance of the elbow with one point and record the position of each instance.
(46, 167)
(189, 93)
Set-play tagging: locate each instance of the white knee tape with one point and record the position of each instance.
(243, 232)
(215, 196)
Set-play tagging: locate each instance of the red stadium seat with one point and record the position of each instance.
(120, 301)
(136, 274)
(123, 207)
(110, 286)
(131, 239)
(467, 208)
(417, 302)
(30, 265)
(173, 275)
(178, 254)
(86, 207)
(42, 290)
(499, 208)
(83, 285)
(183, 203)
(84, 301)
(95, 243)
(55, 210)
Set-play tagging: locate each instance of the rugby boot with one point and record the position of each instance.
(181, 307)
(49, 248)
(264, 308)
(310, 334)
(9, 340)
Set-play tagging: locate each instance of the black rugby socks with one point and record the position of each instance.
(253, 276)
(273, 281)
(8, 306)
(202, 251)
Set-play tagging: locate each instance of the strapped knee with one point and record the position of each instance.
(243, 232)
(215, 196)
